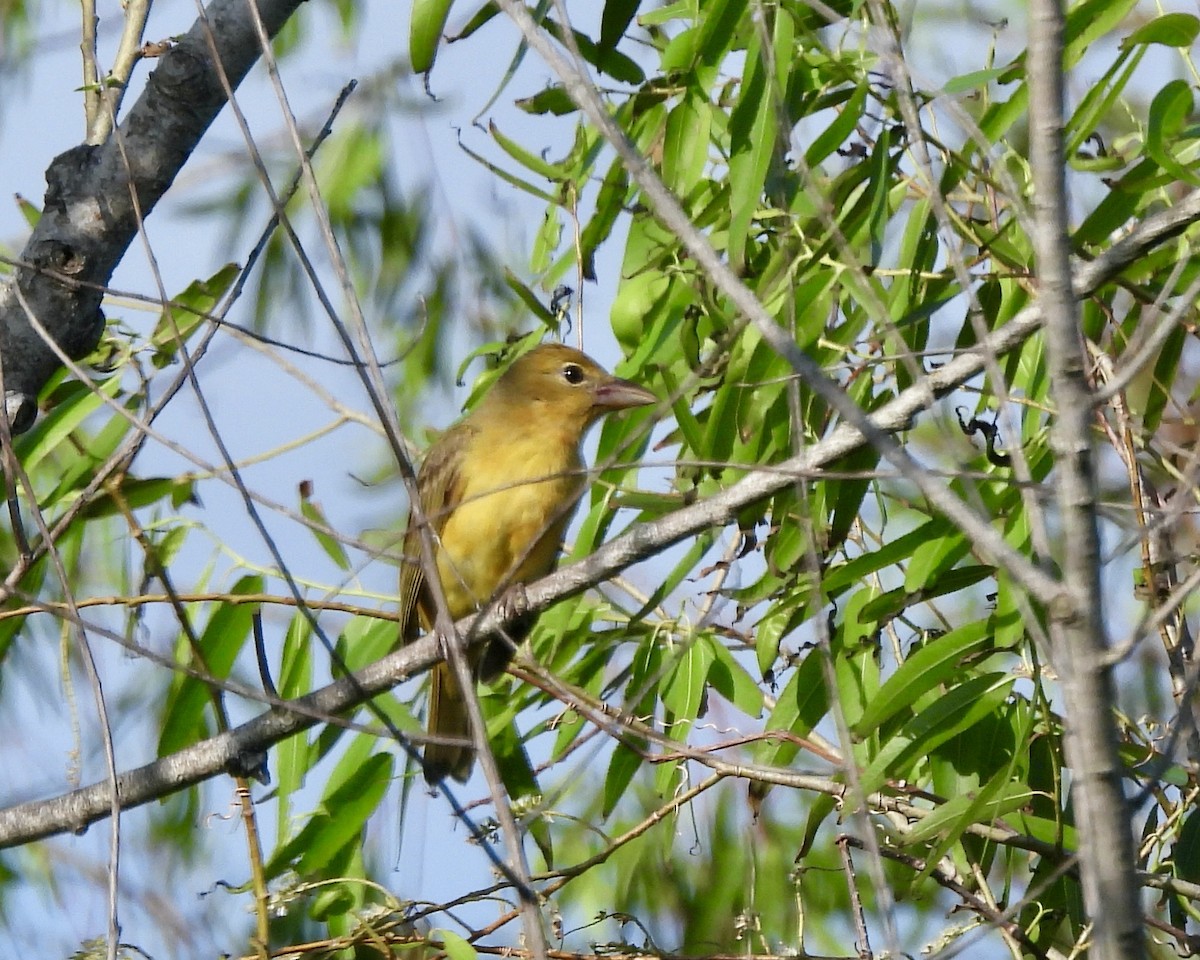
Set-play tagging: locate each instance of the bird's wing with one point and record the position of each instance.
(439, 484)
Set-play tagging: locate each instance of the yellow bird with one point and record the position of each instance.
(497, 490)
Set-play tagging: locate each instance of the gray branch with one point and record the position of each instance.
(242, 748)
(1077, 628)
(90, 215)
(239, 751)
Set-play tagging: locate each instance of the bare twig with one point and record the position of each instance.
(862, 940)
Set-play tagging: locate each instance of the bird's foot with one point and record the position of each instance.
(513, 604)
(513, 607)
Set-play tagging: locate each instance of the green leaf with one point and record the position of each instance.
(683, 688)
(516, 772)
(781, 617)
(685, 147)
(649, 299)
(31, 214)
(1097, 104)
(479, 19)
(1121, 202)
(668, 12)
(358, 782)
(1186, 852)
(610, 203)
(931, 558)
(696, 550)
(365, 639)
(312, 512)
(892, 603)
(76, 464)
(802, 705)
(974, 80)
(1090, 21)
(1046, 830)
(615, 20)
(547, 241)
(850, 492)
(1141, 759)
(960, 709)
(731, 680)
(998, 799)
(754, 135)
(1170, 30)
(823, 805)
(507, 177)
(622, 766)
(530, 299)
(425, 25)
(553, 101)
(344, 815)
(351, 163)
(879, 189)
(455, 946)
(188, 313)
(75, 402)
(1169, 111)
(843, 125)
(482, 16)
(292, 756)
(223, 637)
(925, 669)
(889, 554)
(162, 546)
(718, 30)
(1161, 386)
(611, 61)
(137, 493)
(526, 158)
(332, 903)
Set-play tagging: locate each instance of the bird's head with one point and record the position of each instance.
(559, 381)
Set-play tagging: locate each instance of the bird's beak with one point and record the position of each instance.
(618, 394)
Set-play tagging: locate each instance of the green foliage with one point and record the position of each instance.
(795, 162)
(837, 652)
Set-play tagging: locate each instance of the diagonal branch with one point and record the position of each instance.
(985, 538)
(242, 746)
(90, 214)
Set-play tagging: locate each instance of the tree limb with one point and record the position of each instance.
(242, 745)
(1077, 629)
(90, 216)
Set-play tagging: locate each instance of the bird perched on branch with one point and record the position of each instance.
(497, 490)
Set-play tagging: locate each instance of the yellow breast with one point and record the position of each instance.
(509, 523)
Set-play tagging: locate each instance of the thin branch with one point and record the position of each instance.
(87, 657)
(92, 99)
(103, 97)
(75, 810)
(986, 538)
(945, 879)
(59, 608)
(862, 940)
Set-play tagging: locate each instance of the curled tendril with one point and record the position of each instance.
(991, 434)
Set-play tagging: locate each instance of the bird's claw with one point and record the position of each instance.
(513, 604)
(513, 608)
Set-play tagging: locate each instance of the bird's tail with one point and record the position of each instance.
(448, 719)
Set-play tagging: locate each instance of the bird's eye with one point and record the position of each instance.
(573, 373)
